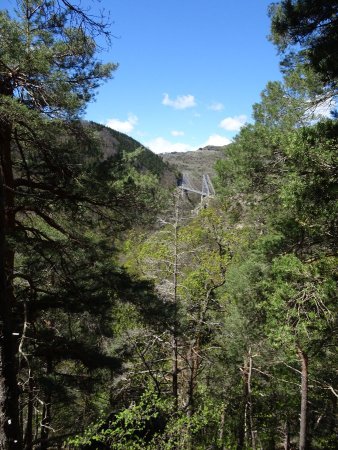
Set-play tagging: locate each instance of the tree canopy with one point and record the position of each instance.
(308, 28)
(132, 317)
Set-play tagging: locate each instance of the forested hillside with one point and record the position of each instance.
(131, 321)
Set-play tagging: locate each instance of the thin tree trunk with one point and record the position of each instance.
(45, 423)
(47, 412)
(175, 299)
(252, 431)
(175, 372)
(221, 427)
(192, 363)
(287, 436)
(245, 430)
(10, 431)
(303, 438)
(242, 426)
(28, 433)
(28, 441)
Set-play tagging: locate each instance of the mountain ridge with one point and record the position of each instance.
(169, 167)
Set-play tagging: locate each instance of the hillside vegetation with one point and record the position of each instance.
(116, 144)
(133, 316)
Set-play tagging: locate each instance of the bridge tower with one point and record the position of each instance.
(207, 190)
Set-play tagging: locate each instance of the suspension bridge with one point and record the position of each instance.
(207, 190)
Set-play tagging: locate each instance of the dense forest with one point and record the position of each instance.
(132, 319)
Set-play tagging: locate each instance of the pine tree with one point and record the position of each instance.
(48, 71)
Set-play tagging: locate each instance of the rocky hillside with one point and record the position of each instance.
(195, 163)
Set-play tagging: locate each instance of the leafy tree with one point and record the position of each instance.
(187, 257)
(280, 180)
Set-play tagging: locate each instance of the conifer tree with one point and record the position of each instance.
(48, 71)
(306, 31)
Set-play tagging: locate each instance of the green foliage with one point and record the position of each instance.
(280, 183)
(128, 429)
(144, 160)
(152, 425)
(71, 207)
(53, 67)
(309, 27)
(190, 326)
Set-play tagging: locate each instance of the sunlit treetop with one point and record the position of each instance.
(308, 30)
(48, 56)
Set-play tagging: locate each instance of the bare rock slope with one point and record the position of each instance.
(195, 163)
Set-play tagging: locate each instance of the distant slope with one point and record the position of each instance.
(195, 163)
(115, 142)
(167, 166)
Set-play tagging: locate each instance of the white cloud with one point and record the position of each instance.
(216, 106)
(233, 123)
(125, 126)
(180, 102)
(216, 139)
(161, 145)
(177, 133)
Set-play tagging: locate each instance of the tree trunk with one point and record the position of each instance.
(246, 432)
(252, 431)
(303, 438)
(287, 436)
(28, 441)
(10, 431)
(242, 426)
(221, 428)
(175, 300)
(192, 363)
(47, 411)
(175, 372)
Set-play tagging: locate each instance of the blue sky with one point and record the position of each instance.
(189, 70)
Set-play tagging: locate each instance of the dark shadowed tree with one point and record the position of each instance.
(48, 71)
